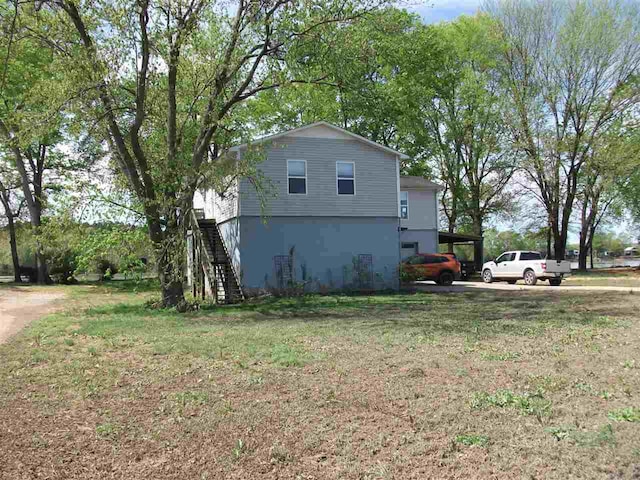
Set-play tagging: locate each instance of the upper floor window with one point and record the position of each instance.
(404, 204)
(346, 173)
(297, 177)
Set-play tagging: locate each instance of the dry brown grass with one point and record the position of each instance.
(472, 385)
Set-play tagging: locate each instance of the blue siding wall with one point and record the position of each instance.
(427, 240)
(325, 248)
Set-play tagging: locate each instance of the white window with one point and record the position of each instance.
(297, 177)
(404, 205)
(346, 178)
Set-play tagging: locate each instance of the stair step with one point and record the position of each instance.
(221, 270)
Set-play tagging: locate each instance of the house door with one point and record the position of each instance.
(407, 249)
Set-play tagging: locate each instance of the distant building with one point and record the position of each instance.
(632, 251)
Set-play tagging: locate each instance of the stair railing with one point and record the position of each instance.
(218, 267)
(207, 264)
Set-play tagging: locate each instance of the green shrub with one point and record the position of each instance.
(107, 269)
(62, 265)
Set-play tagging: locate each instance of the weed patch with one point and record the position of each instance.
(526, 404)
(471, 439)
(601, 437)
(287, 356)
(629, 414)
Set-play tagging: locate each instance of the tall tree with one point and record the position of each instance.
(361, 68)
(459, 108)
(571, 70)
(164, 79)
(28, 131)
(11, 213)
(612, 160)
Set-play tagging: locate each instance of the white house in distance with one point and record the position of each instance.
(343, 216)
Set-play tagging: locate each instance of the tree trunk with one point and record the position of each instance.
(548, 242)
(171, 282)
(478, 247)
(559, 245)
(5, 199)
(583, 251)
(41, 261)
(14, 247)
(451, 228)
(171, 260)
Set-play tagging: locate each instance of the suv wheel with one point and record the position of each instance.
(445, 278)
(487, 277)
(530, 277)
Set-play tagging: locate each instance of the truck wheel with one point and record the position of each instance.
(512, 282)
(487, 277)
(445, 279)
(554, 282)
(530, 277)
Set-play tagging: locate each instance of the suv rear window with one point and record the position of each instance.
(530, 256)
(426, 259)
(416, 260)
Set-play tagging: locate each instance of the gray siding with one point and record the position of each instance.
(223, 207)
(375, 172)
(427, 240)
(324, 247)
(423, 210)
(230, 233)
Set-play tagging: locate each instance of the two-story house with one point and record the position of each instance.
(342, 215)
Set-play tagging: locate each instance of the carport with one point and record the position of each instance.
(463, 239)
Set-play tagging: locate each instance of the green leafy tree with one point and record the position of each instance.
(612, 158)
(571, 71)
(361, 64)
(12, 208)
(28, 132)
(163, 82)
(459, 110)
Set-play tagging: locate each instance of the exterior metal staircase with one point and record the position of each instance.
(212, 270)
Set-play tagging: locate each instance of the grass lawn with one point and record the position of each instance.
(469, 385)
(612, 277)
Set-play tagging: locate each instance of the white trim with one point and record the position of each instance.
(346, 178)
(398, 184)
(306, 182)
(401, 192)
(326, 124)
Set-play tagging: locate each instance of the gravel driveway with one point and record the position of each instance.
(21, 305)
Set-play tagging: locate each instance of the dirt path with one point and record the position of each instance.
(21, 305)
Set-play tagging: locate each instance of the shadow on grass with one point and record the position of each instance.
(125, 286)
(477, 314)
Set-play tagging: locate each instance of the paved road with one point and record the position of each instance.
(540, 287)
(21, 305)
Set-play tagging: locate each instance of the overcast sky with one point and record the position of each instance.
(433, 11)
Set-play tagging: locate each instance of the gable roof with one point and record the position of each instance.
(331, 126)
(409, 181)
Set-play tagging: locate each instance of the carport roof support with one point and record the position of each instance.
(453, 238)
(446, 237)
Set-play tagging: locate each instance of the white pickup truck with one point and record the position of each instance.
(530, 266)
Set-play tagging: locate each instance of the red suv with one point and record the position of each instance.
(441, 268)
